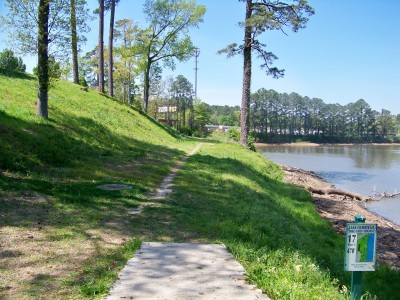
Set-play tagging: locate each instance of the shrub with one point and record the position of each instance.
(10, 62)
(185, 130)
(234, 134)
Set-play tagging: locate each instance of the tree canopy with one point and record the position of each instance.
(166, 38)
(21, 24)
(45, 28)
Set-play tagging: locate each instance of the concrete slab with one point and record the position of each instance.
(183, 271)
(114, 187)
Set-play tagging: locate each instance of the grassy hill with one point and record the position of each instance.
(54, 221)
(63, 238)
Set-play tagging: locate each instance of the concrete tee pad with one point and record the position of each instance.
(183, 271)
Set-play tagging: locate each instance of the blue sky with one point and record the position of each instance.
(350, 50)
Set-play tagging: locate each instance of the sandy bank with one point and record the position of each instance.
(339, 210)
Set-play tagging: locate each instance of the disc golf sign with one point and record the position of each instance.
(360, 251)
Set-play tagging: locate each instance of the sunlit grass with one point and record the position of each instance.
(49, 173)
(229, 195)
(63, 238)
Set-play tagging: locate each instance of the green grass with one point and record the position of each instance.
(49, 173)
(81, 236)
(226, 194)
(97, 277)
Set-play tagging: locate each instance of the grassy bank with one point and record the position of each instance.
(229, 195)
(60, 236)
(63, 238)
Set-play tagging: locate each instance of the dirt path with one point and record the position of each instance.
(340, 210)
(181, 270)
(165, 187)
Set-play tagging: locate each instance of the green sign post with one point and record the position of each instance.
(360, 252)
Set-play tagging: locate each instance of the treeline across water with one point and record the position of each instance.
(282, 117)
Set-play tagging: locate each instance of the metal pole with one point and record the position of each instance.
(356, 281)
(356, 277)
(196, 55)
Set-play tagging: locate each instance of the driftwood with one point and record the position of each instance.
(327, 191)
(351, 194)
(332, 190)
(387, 195)
(384, 195)
(337, 192)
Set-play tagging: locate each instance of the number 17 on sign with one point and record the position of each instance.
(351, 246)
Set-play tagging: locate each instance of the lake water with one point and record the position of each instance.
(364, 169)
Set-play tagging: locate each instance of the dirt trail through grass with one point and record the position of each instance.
(181, 270)
(165, 187)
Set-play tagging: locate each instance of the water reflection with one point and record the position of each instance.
(378, 157)
(364, 169)
(341, 177)
(363, 156)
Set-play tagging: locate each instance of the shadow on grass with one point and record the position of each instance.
(97, 278)
(49, 173)
(256, 216)
(76, 206)
(168, 129)
(30, 145)
(204, 195)
(14, 74)
(67, 141)
(61, 211)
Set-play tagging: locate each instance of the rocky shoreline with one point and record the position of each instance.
(340, 208)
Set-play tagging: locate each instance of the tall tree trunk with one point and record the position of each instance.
(129, 89)
(184, 115)
(110, 51)
(101, 48)
(125, 92)
(127, 81)
(74, 43)
(191, 116)
(43, 66)
(244, 116)
(146, 86)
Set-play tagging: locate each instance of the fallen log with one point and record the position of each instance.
(337, 192)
